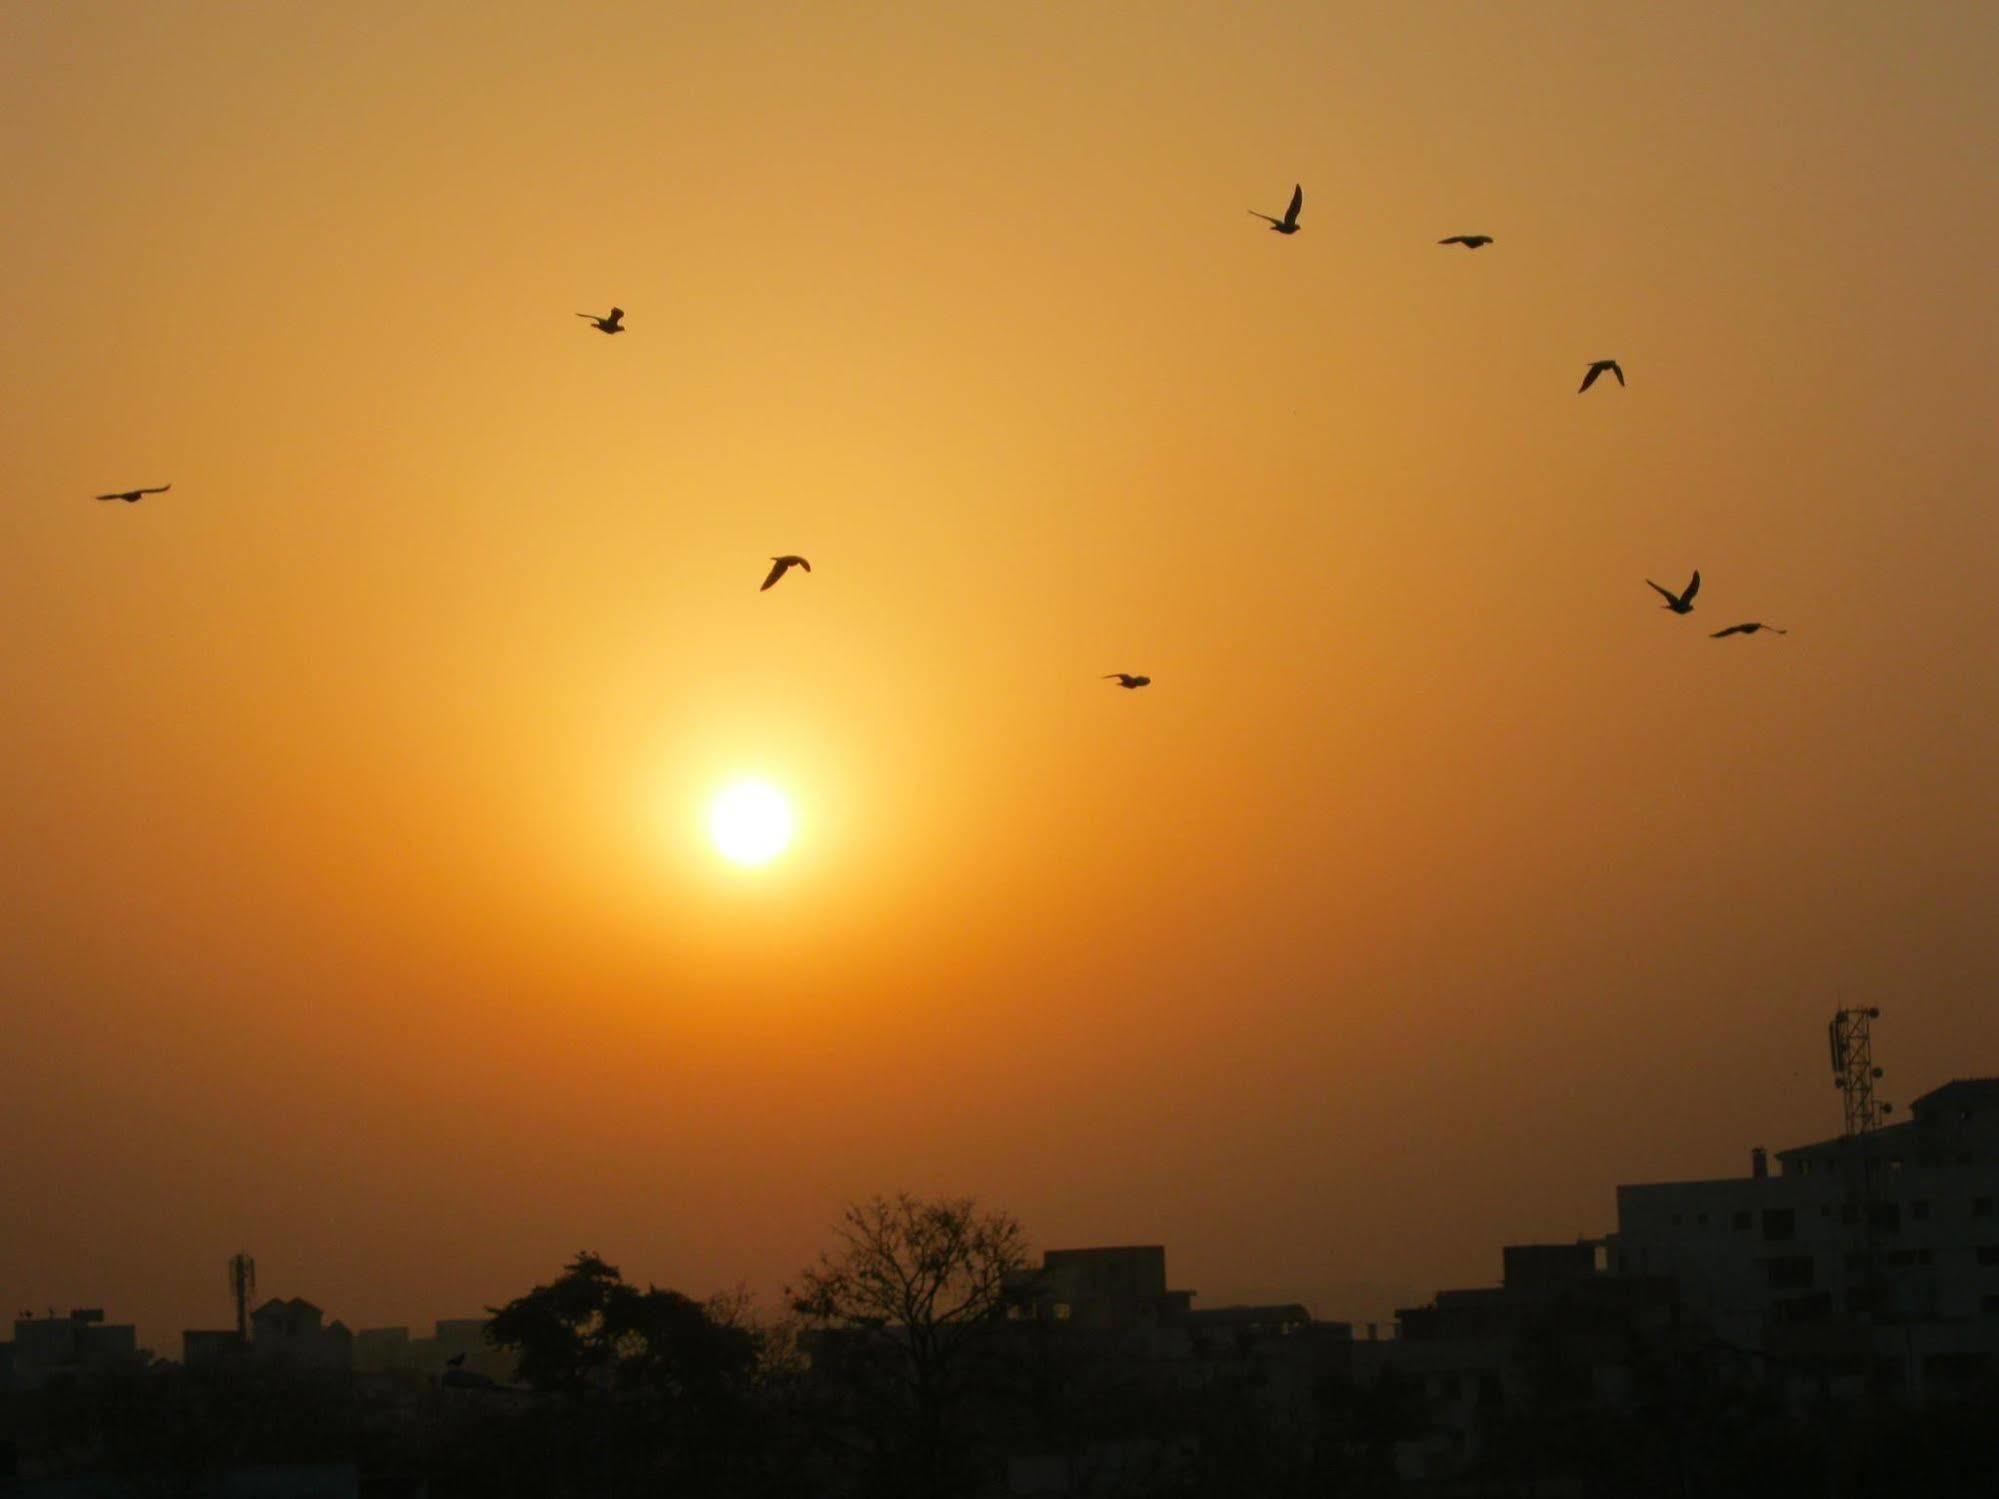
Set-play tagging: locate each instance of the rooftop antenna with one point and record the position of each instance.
(1853, 1069)
(243, 1285)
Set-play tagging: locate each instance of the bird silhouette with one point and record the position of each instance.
(615, 323)
(456, 1361)
(779, 566)
(131, 496)
(1597, 369)
(1469, 241)
(1289, 223)
(1749, 629)
(1126, 680)
(1680, 603)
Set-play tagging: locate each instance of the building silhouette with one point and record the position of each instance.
(1874, 1254)
(60, 1346)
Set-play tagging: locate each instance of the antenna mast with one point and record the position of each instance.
(243, 1285)
(1853, 1069)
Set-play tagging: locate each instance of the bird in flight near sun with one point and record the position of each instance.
(131, 496)
(1597, 369)
(1679, 603)
(779, 566)
(615, 323)
(1749, 629)
(1469, 241)
(1289, 223)
(1127, 680)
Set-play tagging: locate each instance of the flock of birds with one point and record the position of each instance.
(1677, 603)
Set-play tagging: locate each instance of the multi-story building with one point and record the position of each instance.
(1876, 1251)
(52, 1347)
(293, 1333)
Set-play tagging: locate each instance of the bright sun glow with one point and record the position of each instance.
(750, 822)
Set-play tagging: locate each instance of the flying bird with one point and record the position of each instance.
(1681, 603)
(779, 566)
(131, 496)
(1126, 680)
(1597, 369)
(1289, 223)
(1469, 241)
(1749, 629)
(615, 323)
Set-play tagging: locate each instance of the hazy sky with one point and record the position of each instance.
(357, 909)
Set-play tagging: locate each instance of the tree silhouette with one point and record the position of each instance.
(902, 1306)
(588, 1330)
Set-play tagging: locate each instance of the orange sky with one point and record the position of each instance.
(357, 909)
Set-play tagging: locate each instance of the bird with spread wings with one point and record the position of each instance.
(779, 566)
(1598, 368)
(1289, 223)
(1679, 603)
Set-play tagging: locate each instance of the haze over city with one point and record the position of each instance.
(362, 905)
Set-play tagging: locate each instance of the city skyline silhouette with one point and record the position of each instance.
(360, 903)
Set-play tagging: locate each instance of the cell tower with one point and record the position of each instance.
(1853, 1069)
(242, 1285)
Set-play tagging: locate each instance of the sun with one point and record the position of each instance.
(750, 822)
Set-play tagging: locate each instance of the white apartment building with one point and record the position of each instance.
(1894, 1231)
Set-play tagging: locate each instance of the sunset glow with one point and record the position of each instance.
(421, 795)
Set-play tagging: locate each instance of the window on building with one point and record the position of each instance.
(1701, 1220)
(1779, 1224)
(1989, 1305)
(1676, 1220)
(1886, 1217)
(1981, 1207)
(1920, 1210)
(1740, 1223)
(1988, 1254)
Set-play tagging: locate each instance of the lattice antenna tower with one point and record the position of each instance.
(1853, 1069)
(242, 1285)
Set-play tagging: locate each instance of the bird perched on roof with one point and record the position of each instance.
(1597, 369)
(779, 566)
(1127, 680)
(1749, 629)
(131, 496)
(456, 1361)
(615, 323)
(1679, 603)
(1289, 223)
(1469, 241)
